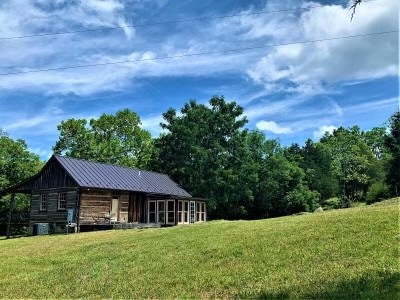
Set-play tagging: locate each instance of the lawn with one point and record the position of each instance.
(350, 253)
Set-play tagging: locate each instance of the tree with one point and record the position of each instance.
(317, 165)
(202, 151)
(392, 142)
(353, 161)
(115, 139)
(17, 163)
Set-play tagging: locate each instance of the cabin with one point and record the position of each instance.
(93, 195)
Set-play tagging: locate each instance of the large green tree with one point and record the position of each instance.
(353, 161)
(392, 142)
(115, 139)
(17, 163)
(202, 151)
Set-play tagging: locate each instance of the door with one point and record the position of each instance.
(151, 212)
(114, 211)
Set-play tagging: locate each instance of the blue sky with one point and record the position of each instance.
(290, 92)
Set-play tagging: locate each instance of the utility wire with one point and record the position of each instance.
(201, 53)
(166, 22)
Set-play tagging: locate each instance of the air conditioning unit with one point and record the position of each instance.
(40, 228)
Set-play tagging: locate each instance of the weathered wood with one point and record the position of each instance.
(52, 176)
(57, 218)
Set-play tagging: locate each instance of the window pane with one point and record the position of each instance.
(171, 206)
(152, 217)
(171, 217)
(152, 206)
(161, 217)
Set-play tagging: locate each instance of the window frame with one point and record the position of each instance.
(62, 198)
(43, 199)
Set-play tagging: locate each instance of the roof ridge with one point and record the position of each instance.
(108, 164)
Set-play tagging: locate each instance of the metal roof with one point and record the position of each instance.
(89, 174)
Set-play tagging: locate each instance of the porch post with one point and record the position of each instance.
(10, 214)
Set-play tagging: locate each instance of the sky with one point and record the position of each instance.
(290, 92)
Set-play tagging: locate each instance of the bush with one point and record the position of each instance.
(378, 191)
(301, 199)
(331, 203)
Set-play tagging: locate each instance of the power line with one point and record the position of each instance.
(201, 53)
(166, 22)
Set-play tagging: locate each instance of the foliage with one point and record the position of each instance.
(342, 254)
(331, 203)
(202, 151)
(17, 163)
(115, 139)
(378, 191)
(353, 161)
(392, 142)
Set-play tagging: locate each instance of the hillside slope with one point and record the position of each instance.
(349, 253)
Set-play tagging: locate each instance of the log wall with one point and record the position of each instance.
(57, 218)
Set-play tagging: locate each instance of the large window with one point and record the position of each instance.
(152, 212)
(161, 212)
(43, 202)
(186, 213)
(62, 200)
(170, 211)
(203, 211)
(180, 211)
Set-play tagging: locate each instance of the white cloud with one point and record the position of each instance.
(273, 127)
(322, 130)
(310, 65)
(25, 123)
(289, 69)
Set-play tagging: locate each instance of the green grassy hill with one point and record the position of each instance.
(349, 253)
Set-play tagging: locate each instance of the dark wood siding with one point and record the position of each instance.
(57, 218)
(52, 176)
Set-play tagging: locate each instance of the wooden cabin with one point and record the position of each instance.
(95, 195)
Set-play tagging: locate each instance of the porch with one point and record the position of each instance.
(108, 208)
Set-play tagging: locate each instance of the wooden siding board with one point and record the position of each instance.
(51, 176)
(55, 217)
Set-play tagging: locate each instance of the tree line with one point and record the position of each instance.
(208, 151)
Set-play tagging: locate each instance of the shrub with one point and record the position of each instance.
(331, 203)
(378, 191)
(301, 199)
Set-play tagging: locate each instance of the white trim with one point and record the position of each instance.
(192, 210)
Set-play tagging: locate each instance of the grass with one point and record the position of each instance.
(350, 253)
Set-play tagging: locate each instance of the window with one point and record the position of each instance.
(152, 212)
(62, 200)
(186, 213)
(198, 211)
(203, 211)
(161, 211)
(180, 212)
(43, 202)
(170, 211)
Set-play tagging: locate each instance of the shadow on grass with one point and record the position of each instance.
(382, 285)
